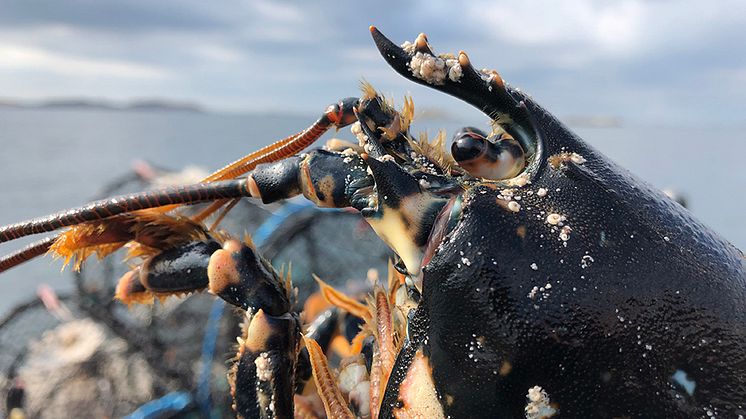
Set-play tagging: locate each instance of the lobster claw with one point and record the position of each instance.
(456, 76)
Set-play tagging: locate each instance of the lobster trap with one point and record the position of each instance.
(86, 353)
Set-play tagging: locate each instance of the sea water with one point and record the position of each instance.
(55, 159)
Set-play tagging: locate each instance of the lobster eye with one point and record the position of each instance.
(499, 157)
(468, 144)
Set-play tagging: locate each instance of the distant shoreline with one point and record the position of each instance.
(100, 104)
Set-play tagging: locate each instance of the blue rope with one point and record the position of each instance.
(209, 342)
(170, 403)
(274, 221)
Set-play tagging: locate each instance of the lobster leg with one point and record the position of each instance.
(328, 179)
(263, 377)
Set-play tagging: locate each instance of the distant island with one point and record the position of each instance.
(111, 105)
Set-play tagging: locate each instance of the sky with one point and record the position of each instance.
(656, 62)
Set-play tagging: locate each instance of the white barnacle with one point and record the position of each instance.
(263, 367)
(454, 70)
(356, 129)
(542, 192)
(519, 181)
(434, 70)
(538, 406)
(514, 206)
(577, 158)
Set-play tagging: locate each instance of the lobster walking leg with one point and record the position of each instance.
(328, 179)
(263, 378)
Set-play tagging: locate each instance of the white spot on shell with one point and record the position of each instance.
(554, 219)
(542, 192)
(514, 206)
(387, 157)
(586, 261)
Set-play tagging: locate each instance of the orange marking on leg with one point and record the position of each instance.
(342, 301)
(131, 291)
(417, 392)
(357, 342)
(258, 333)
(340, 346)
(221, 271)
(315, 304)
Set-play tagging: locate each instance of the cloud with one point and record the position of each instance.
(608, 26)
(120, 16)
(26, 58)
(279, 12)
(641, 60)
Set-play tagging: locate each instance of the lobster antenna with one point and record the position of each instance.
(107, 208)
(27, 253)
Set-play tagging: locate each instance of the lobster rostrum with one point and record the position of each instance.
(532, 277)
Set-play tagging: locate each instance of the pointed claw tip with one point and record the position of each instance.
(421, 44)
(463, 59)
(373, 29)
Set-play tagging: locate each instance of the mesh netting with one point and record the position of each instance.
(104, 359)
